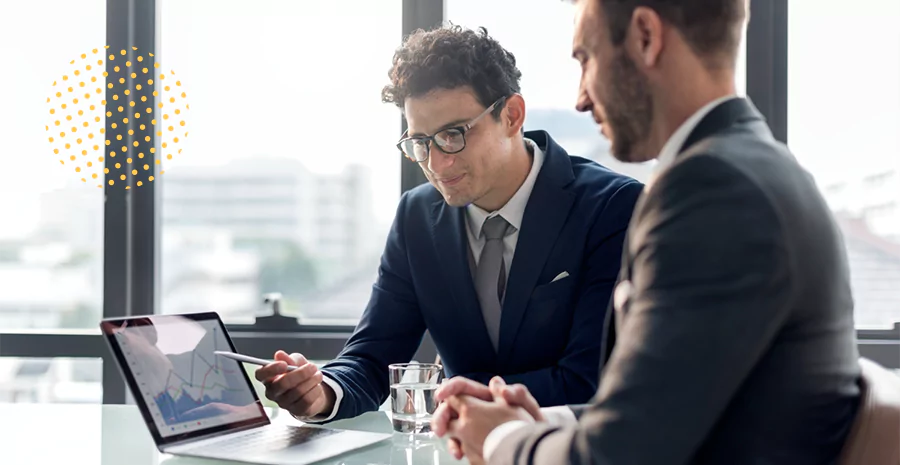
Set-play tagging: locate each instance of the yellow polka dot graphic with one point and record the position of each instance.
(131, 103)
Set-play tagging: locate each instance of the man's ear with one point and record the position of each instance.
(513, 117)
(644, 41)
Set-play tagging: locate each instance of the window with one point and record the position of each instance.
(278, 91)
(541, 41)
(50, 380)
(290, 179)
(51, 236)
(51, 232)
(852, 147)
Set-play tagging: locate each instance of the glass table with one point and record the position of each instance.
(116, 435)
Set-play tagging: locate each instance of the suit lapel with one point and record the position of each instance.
(452, 248)
(614, 318)
(545, 215)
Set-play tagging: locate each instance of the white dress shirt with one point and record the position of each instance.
(512, 212)
(679, 137)
(563, 415)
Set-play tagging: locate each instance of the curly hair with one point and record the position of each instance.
(449, 58)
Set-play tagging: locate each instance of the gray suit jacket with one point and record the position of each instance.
(733, 340)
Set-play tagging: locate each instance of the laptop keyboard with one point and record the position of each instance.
(264, 440)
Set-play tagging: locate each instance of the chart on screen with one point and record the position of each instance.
(190, 390)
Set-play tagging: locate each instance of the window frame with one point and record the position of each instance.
(132, 226)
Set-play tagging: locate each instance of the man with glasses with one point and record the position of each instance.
(507, 257)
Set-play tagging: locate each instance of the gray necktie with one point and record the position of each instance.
(490, 275)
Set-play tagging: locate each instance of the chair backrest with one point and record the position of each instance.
(875, 436)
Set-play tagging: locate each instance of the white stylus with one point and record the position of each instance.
(249, 359)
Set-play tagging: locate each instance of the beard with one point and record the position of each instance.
(629, 111)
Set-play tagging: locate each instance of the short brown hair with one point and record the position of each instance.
(449, 58)
(712, 28)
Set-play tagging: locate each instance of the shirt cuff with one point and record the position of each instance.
(493, 440)
(338, 395)
(559, 415)
(554, 416)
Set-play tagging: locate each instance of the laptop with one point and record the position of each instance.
(198, 404)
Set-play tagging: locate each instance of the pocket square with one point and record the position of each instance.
(562, 275)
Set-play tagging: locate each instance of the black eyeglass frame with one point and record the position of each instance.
(462, 129)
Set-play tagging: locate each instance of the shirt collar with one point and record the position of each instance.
(514, 210)
(673, 146)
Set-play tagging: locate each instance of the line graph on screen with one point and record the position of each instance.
(198, 385)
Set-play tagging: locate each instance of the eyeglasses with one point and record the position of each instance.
(449, 140)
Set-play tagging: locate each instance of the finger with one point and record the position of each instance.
(294, 379)
(292, 359)
(438, 419)
(267, 372)
(457, 403)
(497, 386)
(441, 417)
(462, 386)
(518, 395)
(311, 383)
(474, 456)
(292, 395)
(303, 405)
(283, 356)
(455, 449)
(298, 359)
(456, 428)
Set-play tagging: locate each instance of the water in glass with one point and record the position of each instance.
(412, 396)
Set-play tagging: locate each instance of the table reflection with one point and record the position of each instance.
(116, 435)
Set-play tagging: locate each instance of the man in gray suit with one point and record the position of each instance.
(733, 339)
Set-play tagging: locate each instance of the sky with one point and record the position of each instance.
(302, 79)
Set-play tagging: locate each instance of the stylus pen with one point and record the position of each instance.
(249, 359)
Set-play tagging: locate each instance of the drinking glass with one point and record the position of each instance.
(412, 395)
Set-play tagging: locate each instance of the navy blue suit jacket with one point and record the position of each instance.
(550, 332)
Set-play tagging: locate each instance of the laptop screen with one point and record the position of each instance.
(182, 388)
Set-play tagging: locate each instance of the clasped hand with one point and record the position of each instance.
(469, 411)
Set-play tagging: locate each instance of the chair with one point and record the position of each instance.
(874, 438)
